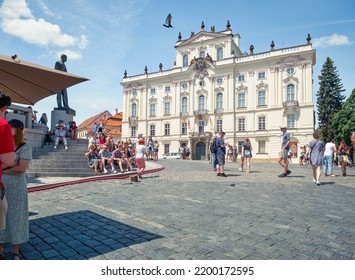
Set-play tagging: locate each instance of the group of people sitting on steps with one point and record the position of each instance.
(102, 152)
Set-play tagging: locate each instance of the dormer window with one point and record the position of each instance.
(219, 54)
(185, 60)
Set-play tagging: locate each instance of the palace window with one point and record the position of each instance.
(240, 78)
(290, 93)
(134, 110)
(185, 60)
(201, 102)
(219, 103)
(291, 121)
(184, 128)
(241, 100)
(241, 124)
(167, 129)
(167, 89)
(202, 54)
(166, 148)
(167, 108)
(133, 131)
(219, 54)
(152, 110)
(262, 123)
(261, 98)
(262, 147)
(201, 126)
(152, 90)
(184, 105)
(219, 124)
(261, 75)
(152, 130)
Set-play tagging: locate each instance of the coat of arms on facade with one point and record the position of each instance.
(200, 67)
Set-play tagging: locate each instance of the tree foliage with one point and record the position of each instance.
(329, 98)
(343, 122)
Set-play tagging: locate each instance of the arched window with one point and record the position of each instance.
(202, 54)
(185, 60)
(290, 93)
(219, 54)
(184, 105)
(219, 101)
(134, 110)
(201, 103)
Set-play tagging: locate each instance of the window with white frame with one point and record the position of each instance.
(202, 54)
(167, 108)
(261, 98)
(261, 75)
(133, 131)
(167, 129)
(240, 78)
(262, 147)
(201, 102)
(152, 110)
(219, 54)
(291, 121)
(152, 90)
(184, 104)
(167, 88)
(152, 130)
(262, 123)
(185, 60)
(219, 125)
(241, 124)
(166, 148)
(219, 103)
(134, 110)
(241, 100)
(201, 127)
(290, 93)
(184, 128)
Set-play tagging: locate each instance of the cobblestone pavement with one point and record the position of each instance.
(187, 212)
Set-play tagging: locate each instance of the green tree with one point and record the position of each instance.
(329, 98)
(343, 122)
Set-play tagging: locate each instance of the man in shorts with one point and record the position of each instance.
(283, 154)
(221, 155)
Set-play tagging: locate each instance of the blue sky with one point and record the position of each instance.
(104, 38)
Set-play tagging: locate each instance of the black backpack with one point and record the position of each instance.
(213, 147)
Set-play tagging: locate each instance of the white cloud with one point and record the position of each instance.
(18, 20)
(332, 40)
(46, 10)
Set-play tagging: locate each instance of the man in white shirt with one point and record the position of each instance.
(330, 149)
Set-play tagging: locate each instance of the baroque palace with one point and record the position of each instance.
(214, 87)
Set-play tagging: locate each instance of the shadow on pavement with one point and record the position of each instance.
(79, 235)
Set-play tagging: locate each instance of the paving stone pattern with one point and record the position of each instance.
(186, 212)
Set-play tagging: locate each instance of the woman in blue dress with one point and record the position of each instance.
(14, 179)
(316, 147)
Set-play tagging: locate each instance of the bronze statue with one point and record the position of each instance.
(60, 65)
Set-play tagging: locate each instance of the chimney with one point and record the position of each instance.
(116, 111)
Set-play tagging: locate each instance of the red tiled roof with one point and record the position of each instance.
(97, 118)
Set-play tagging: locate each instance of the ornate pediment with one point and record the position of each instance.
(219, 89)
(291, 79)
(201, 92)
(152, 100)
(203, 36)
(242, 88)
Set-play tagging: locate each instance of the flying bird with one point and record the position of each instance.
(167, 23)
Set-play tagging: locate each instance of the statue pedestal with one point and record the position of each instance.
(64, 114)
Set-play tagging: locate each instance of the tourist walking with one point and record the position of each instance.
(246, 155)
(343, 152)
(221, 155)
(140, 154)
(316, 147)
(329, 151)
(283, 154)
(15, 183)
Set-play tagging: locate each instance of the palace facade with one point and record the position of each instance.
(214, 87)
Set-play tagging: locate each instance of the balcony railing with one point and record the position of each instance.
(133, 119)
(218, 111)
(293, 103)
(200, 112)
(184, 114)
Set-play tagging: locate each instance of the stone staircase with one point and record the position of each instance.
(48, 162)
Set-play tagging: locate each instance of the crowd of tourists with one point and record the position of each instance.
(321, 156)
